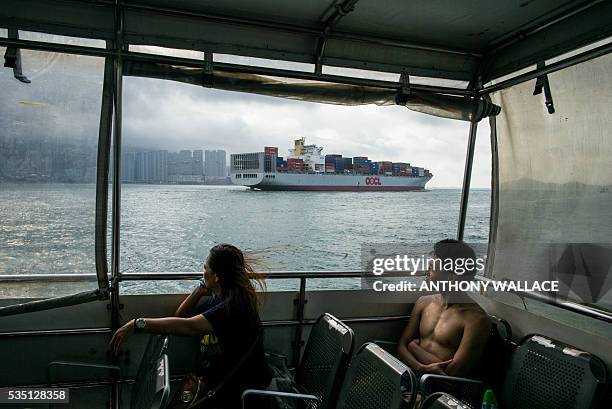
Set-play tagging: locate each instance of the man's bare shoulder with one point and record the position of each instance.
(427, 299)
(423, 302)
(476, 316)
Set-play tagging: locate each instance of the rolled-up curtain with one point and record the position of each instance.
(442, 105)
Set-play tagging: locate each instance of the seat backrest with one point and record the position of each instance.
(442, 400)
(325, 359)
(468, 391)
(373, 381)
(545, 373)
(151, 389)
(491, 368)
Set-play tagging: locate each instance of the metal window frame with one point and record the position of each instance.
(116, 53)
(189, 62)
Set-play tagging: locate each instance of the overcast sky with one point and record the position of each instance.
(173, 116)
(169, 115)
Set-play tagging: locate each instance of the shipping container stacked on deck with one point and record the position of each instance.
(335, 163)
(362, 165)
(270, 151)
(270, 158)
(401, 169)
(295, 164)
(339, 165)
(281, 164)
(331, 161)
(418, 171)
(348, 164)
(385, 167)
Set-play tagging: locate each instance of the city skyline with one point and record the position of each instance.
(56, 159)
(163, 166)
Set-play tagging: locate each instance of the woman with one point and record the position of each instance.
(227, 322)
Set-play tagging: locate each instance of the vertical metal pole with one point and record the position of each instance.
(104, 143)
(467, 173)
(494, 206)
(301, 302)
(115, 269)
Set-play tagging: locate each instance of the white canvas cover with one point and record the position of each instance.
(442, 105)
(554, 184)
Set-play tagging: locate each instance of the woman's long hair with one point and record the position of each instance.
(237, 279)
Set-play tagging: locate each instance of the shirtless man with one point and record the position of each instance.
(447, 332)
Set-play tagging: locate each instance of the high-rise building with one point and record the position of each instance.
(128, 167)
(144, 167)
(157, 167)
(173, 160)
(185, 163)
(215, 163)
(140, 167)
(162, 166)
(198, 163)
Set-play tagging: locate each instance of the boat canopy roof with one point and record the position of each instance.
(445, 39)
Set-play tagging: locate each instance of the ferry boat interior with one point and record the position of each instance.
(539, 71)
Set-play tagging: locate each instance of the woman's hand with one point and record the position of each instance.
(120, 336)
(192, 300)
(202, 289)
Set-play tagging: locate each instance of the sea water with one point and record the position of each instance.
(49, 228)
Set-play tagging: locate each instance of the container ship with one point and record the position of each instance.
(307, 169)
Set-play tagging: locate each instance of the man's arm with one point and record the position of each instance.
(410, 333)
(191, 301)
(420, 354)
(473, 342)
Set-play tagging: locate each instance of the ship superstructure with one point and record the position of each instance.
(307, 169)
(309, 154)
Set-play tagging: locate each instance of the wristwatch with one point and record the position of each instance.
(139, 325)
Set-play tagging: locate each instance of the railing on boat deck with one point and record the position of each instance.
(299, 322)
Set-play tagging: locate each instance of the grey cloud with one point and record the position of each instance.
(167, 115)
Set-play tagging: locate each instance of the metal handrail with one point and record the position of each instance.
(154, 276)
(17, 278)
(268, 275)
(193, 275)
(67, 331)
(266, 323)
